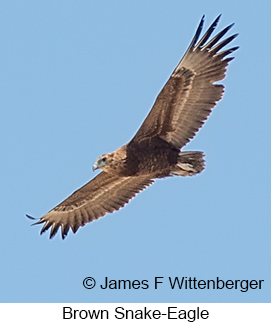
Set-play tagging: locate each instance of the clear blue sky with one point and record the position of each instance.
(77, 79)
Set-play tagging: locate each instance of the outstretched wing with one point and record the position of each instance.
(190, 93)
(104, 194)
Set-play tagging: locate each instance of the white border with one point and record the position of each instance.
(218, 312)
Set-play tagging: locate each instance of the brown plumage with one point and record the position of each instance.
(179, 111)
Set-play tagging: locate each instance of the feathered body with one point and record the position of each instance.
(178, 113)
(153, 157)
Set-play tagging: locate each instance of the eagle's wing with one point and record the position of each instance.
(190, 93)
(103, 194)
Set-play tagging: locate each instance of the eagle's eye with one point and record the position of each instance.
(104, 159)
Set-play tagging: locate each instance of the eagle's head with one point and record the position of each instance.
(112, 163)
(101, 162)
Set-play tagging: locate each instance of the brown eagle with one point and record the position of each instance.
(178, 113)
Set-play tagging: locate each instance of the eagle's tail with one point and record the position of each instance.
(189, 163)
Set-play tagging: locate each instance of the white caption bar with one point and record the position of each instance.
(134, 312)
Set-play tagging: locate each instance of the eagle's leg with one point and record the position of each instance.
(189, 163)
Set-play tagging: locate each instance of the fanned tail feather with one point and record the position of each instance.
(189, 163)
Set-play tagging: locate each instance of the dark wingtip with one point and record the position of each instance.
(218, 17)
(231, 25)
(215, 23)
(30, 217)
(235, 35)
(33, 219)
(234, 48)
(64, 231)
(197, 34)
(47, 226)
(207, 34)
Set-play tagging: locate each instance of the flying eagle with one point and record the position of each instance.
(178, 113)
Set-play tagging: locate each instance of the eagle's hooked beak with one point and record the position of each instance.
(95, 166)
